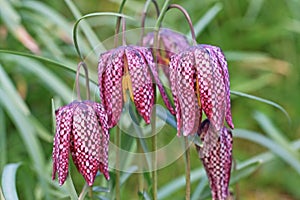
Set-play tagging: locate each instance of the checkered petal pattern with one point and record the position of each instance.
(185, 75)
(61, 145)
(143, 93)
(182, 71)
(200, 81)
(113, 67)
(217, 162)
(81, 128)
(110, 73)
(221, 63)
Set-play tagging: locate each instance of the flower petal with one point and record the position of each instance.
(111, 83)
(223, 64)
(86, 141)
(142, 85)
(173, 82)
(184, 86)
(217, 162)
(212, 87)
(104, 137)
(61, 145)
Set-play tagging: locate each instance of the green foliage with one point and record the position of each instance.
(38, 60)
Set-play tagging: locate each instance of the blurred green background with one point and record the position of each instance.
(261, 40)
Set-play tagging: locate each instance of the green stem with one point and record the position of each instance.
(187, 16)
(118, 143)
(87, 83)
(140, 175)
(162, 14)
(146, 6)
(187, 169)
(118, 23)
(83, 192)
(154, 148)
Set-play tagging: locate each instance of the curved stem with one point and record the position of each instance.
(187, 170)
(145, 14)
(88, 96)
(187, 16)
(161, 15)
(118, 23)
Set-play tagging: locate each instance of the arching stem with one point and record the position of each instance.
(187, 16)
(87, 83)
(145, 10)
(118, 23)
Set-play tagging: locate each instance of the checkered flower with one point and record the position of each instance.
(217, 162)
(200, 82)
(81, 128)
(169, 43)
(128, 68)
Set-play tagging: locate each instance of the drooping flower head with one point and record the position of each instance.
(200, 82)
(81, 128)
(217, 162)
(128, 68)
(169, 43)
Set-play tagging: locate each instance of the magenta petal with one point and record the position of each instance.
(141, 80)
(111, 83)
(148, 56)
(223, 64)
(61, 145)
(212, 88)
(186, 93)
(104, 138)
(217, 162)
(86, 138)
(174, 88)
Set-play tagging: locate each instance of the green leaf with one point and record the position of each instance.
(270, 144)
(11, 101)
(50, 79)
(9, 181)
(241, 94)
(3, 146)
(178, 183)
(206, 19)
(274, 133)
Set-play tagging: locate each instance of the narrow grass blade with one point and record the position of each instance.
(49, 78)
(270, 144)
(206, 19)
(9, 181)
(10, 101)
(241, 94)
(3, 152)
(274, 133)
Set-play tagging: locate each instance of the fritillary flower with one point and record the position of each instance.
(217, 162)
(128, 68)
(81, 128)
(169, 43)
(200, 82)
